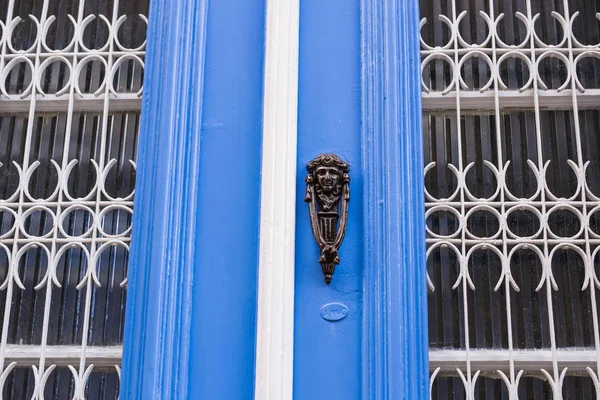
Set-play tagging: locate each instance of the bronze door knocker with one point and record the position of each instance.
(327, 195)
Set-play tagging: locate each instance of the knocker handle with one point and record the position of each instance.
(327, 195)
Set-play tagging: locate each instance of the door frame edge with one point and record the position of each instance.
(395, 343)
(163, 252)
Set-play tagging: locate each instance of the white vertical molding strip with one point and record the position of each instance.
(275, 326)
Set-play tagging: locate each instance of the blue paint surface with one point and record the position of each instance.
(327, 356)
(395, 364)
(191, 318)
(222, 351)
(163, 256)
(191, 322)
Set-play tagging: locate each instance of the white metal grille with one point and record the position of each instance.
(511, 99)
(70, 86)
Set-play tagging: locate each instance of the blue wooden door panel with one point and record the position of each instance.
(225, 290)
(191, 317)
(327, 355)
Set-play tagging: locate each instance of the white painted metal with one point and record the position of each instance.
(83, 103)
(80, 359)
(63, 356)
(510, 364)
(511, 100)
(490, 361)
(275, 327)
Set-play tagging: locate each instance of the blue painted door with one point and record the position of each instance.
(327, 355)
(192, 297)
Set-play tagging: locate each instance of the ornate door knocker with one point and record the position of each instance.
(327, 195)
